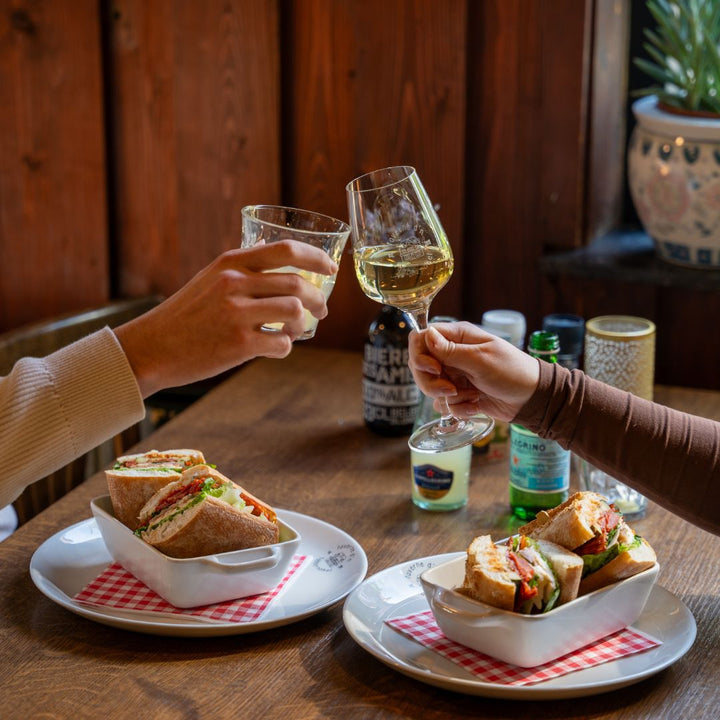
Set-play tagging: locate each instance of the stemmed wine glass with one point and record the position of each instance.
(403, 258)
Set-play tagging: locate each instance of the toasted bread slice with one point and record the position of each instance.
(570, 524)
(567, 566)
(134, 479)
(488, 576)
(131, 488)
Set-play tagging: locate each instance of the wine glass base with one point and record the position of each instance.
(431, 438)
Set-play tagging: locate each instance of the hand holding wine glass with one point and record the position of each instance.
(403, 258)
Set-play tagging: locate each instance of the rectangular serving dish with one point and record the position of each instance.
(192, 582)
(531, 640)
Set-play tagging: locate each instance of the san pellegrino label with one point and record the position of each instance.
(537, 464)
(539, 468)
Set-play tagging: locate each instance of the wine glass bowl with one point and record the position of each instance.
(401, 253)
(403, 258)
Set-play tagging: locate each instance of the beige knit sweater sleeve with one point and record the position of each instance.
(55, 409)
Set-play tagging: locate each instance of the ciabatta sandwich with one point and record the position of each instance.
(134, 479)
(204, 513)
(523, 575)
(591, 527)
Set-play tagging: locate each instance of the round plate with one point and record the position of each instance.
(65, 563)
(396, 592)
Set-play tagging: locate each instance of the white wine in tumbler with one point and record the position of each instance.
(263, 224)
(404, 275)
(326, 283)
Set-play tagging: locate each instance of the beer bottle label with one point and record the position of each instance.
(389, 392)
(390, 396)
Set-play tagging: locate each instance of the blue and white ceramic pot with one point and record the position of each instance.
(674, 179)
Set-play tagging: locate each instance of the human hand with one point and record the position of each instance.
(214, 322)
(476, 371)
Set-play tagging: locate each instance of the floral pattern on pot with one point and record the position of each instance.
(674, 178)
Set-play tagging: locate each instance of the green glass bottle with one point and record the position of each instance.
(539, 468)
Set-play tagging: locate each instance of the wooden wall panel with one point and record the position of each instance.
(527, 65)
(196, 132)
(53, 212)
(371, 84)
(607, 131)
(508, 108)
(688, 347)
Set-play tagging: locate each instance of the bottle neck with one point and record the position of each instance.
(550, 356)
(544, 345)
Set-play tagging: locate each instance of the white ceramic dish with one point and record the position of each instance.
(190, 582)
(396, 592)
(531, 640)
(67, 561)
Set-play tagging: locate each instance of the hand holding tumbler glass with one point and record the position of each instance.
(270, 223)
(619, 351)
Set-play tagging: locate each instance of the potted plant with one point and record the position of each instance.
(674, 151)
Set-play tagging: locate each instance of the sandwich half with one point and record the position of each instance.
(594, 529)
(134, 479)
(203, 513)
(524, 575)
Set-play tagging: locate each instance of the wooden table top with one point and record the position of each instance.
(291, 430)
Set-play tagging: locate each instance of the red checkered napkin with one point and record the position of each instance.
(116, 588)
(423, 628)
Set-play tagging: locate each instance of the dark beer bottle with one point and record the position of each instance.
(390, 396)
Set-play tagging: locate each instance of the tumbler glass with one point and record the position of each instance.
(270, 223)
(620, 351)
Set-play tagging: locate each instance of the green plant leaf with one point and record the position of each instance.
(683, 53)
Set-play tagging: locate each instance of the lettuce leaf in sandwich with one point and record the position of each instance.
(593, 562)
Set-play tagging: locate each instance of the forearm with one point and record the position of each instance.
(671, 457)
(55, 409)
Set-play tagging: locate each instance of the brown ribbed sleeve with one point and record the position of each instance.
(671, 457)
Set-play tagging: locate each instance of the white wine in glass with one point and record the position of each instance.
(404, 276)
(403, 258)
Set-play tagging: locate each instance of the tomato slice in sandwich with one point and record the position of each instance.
(258, 508)
(197, 485)
(607, 522)
(526, 572)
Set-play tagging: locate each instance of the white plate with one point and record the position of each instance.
(66, 562)
(396, 592)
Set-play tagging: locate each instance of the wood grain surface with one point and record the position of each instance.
(195, 110)
(292, 431)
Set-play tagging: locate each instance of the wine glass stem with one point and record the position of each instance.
(448, 422)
